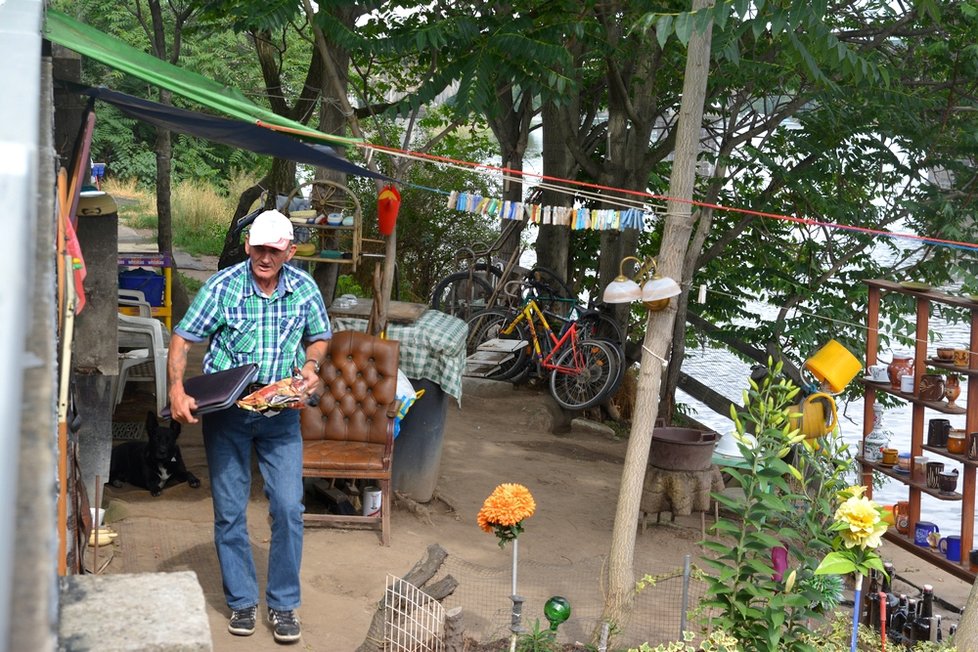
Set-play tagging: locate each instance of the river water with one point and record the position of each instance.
(728, 375)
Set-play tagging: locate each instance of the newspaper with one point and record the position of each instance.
(273, 398)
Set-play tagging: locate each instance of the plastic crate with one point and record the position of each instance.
(151, 284)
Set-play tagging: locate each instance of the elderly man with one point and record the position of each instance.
(266, 312)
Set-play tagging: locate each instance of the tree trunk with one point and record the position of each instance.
(420, 574)
(678, 227)
(966, 637)
(233, 251)
(553, 242)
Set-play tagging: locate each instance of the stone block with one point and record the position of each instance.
(149, 612)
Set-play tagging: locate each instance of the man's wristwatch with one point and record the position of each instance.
(316, 363)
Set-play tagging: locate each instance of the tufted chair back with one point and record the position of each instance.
(350, 433)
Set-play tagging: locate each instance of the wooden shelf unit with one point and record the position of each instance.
(344, 239)
(924, 299)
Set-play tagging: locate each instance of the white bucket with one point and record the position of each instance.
(371, 501)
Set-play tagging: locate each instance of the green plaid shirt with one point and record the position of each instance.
(245, 326)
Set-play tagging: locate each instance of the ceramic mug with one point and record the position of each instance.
(951, 547)
(890, 456)
(906, 384)
(947, 482)
(921, 530)
(901, 512)
(961, 357)
(934, 470)
(937, 431)
(918, 469)
(878, 373)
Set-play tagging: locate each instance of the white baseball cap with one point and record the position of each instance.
(271, 229)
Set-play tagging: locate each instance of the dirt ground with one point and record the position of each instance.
(498, 434)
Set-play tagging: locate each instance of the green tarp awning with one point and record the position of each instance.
(64, 30)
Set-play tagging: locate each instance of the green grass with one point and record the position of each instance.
(192, 284)
(201, 212)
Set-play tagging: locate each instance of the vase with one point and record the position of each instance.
(902, 365)
(877, 439)
(952, 389)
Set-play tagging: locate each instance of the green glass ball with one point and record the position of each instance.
(557, 610)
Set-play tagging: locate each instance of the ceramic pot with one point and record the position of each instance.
(931, 387)
(957, 443)
(902, 365)
(947, 481)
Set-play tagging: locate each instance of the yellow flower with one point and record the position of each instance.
(855, 491)
(506, 506)
(865, 527)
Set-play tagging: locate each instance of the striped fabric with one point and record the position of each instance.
(244, 326)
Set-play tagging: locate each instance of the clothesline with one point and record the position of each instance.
(643, 196)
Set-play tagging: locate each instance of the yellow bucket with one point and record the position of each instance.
(834, 365)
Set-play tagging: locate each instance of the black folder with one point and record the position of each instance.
(218, 390)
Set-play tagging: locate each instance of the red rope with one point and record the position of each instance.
(693, 202)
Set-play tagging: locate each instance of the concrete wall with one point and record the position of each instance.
(27, 472)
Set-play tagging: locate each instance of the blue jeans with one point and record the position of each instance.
(229, 436)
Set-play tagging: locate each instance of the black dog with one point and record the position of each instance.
(152, 464)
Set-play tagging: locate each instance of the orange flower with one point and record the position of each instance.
(506, 507)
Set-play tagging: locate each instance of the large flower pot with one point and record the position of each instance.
(682, 449)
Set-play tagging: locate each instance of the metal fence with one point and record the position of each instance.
(659, 613)
(413, 621)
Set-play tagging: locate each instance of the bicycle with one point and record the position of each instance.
(582, 371)
(473, 289)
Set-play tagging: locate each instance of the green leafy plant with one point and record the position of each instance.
(789, 486)
(717, 641)
(537, 640)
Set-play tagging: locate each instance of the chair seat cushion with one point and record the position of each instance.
(342, 455)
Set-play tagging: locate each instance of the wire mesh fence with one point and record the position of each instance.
(661, 607)
(413, 621)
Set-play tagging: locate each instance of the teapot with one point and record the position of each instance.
(813, 422)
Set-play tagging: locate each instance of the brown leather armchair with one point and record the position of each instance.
(350, 433)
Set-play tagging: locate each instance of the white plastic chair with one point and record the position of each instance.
(146, 363)
(137, 299)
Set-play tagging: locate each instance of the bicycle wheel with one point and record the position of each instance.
(622, 365)
(487, 325)
(592, 368)
(461, 294)
(597, 325)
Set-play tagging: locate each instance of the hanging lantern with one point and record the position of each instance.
(388, 203)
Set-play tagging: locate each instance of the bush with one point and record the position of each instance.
(788, 488)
